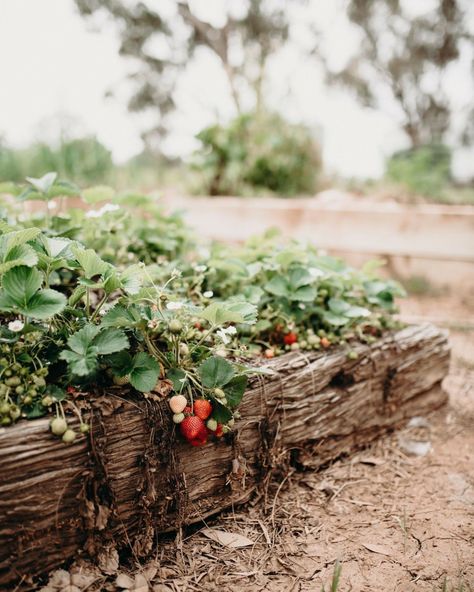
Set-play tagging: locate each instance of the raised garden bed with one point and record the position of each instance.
(132, 479)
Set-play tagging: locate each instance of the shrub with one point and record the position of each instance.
(82, 159)
(424, 170)
(258, 151)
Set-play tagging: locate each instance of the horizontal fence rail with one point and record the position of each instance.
(425, 231)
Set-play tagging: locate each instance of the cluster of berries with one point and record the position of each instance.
(195, 422)
(21, 385)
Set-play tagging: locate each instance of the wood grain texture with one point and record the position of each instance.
(134, 479)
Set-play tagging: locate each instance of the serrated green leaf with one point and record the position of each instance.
(235, 389)
(83, 339)
(20, 237)
(80, 364)
(215, 372)
(121, 363)
(178, 378)
(5, 227)
(277, 286)
(110, 341)
(355, 312)
(119, 316)
(303, 294)
(253, 294)
(334, 319)
(18, 256)
(131, 279)
(111, 281)
(220, 314)
(246, 310)
(337, 306)
(57, 247)
(90, 262)
(78, 293)
(44, 304)
(220, 413)
(44, 183)
(21, 283)
(299, 277)
(145, 372)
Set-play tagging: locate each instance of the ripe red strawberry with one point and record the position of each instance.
(219, 431)
(202, 408)
(290, 338)
(187, 410)
(193, 430)
(200, 440)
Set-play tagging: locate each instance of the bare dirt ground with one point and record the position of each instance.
(391, 519)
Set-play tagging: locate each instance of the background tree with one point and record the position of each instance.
(164, 36)
(406, 58)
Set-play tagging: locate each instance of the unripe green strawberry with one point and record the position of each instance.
(85, 428)
(211, 424)
(13, 381)
(15, 412)
(121, 380)
(178, 417)
(47, 401)
(175, 326)
(69, 436)
(219, 393)
(352, 355)
(58, 426)
(4, 408)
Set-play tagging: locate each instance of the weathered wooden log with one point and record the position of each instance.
(133, 479)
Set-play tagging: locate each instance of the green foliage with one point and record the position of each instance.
(424, 171)
(133, 303)
(215, 372)
(88, 344)
(84, 160)
(21, 293)
(258, 152)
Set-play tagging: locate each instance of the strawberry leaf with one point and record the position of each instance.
(144, 373)
(215, 372)
(235, 389)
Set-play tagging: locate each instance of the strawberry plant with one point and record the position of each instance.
(100, 298)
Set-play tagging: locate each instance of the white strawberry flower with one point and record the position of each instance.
(314, 272)
(174, 305)
(103, 210)
(208, 294)
(16, 326)
(223, 334)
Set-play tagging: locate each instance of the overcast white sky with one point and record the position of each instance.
(53, 67)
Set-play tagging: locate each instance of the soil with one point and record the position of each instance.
(398, 516)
